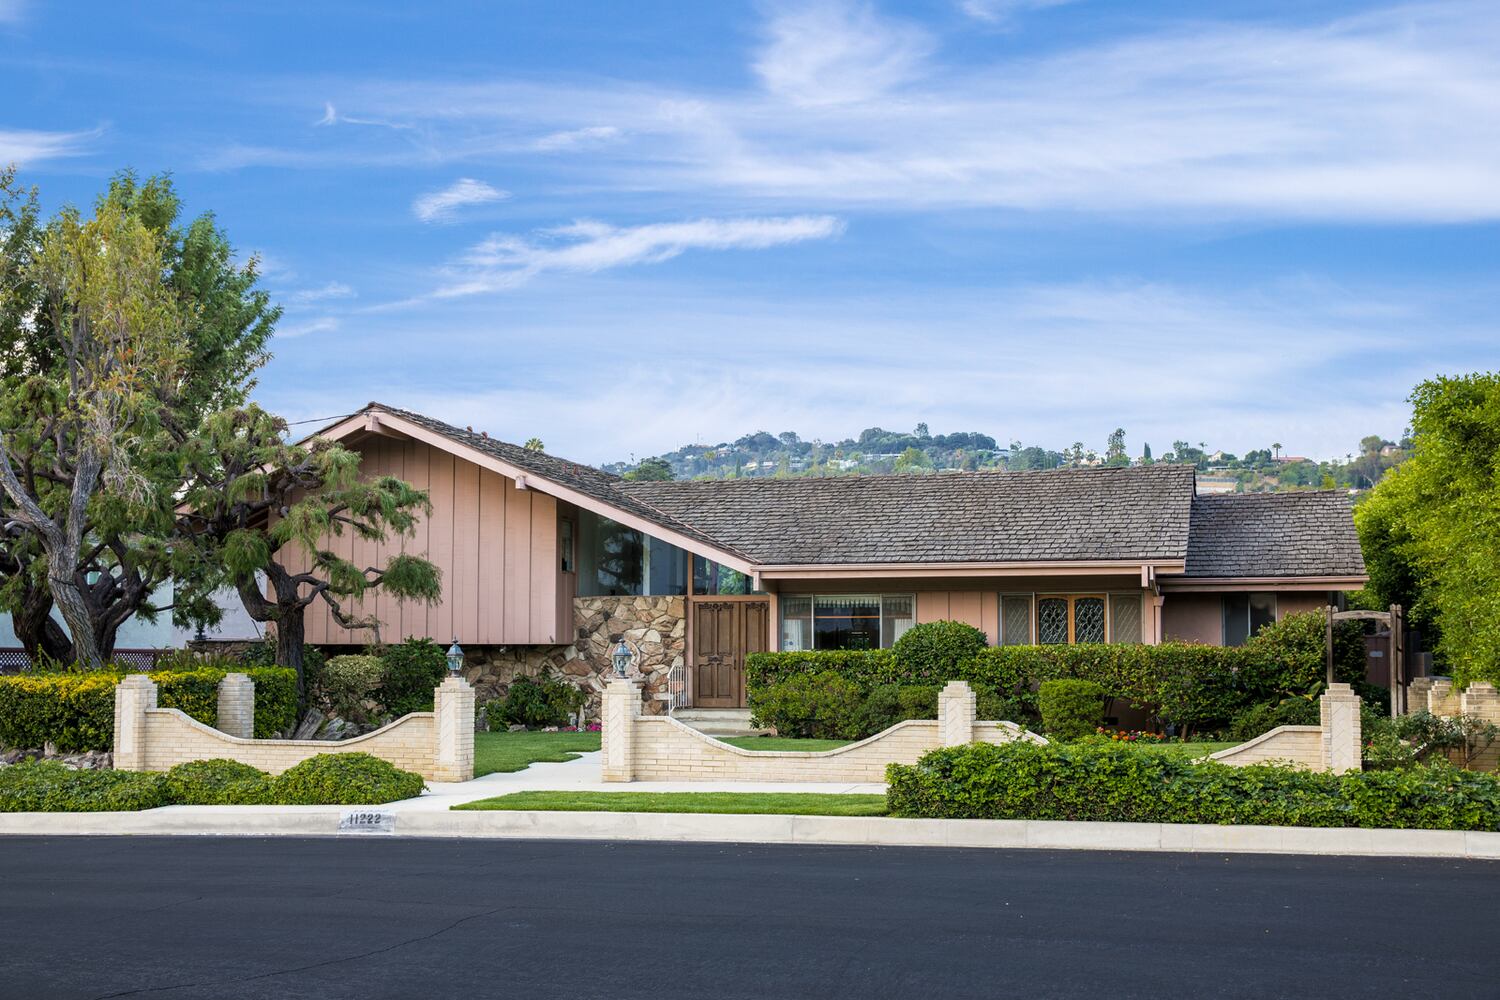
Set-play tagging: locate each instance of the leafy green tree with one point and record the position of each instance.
(258, 514)
(1114, 452)
(654, 470)
(913, 460)
(1432, 522)
(534, 444)
(210, 346)
(1146, 454)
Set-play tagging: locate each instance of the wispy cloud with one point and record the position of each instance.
(1385, 116)
(331, 116)
(592, 135)
(323, 324)
(323, 293)
(585, 247)
(26, 147)
(439, 206)
(999, 12)
(836, 53)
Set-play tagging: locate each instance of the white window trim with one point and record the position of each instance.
(812, 619)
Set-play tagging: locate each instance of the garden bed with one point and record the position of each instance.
(745, 803)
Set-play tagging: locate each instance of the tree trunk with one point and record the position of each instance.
(75, 613)
(35, 627)
(290, 638)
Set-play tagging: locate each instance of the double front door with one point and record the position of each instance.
(724, 633)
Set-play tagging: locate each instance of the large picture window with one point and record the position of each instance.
(614, 561)
(1245, 615)
(845, 621)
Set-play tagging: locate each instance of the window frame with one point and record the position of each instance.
(1035, 599)
(811, 617)
(1251, 630)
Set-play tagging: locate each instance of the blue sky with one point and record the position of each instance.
(621, 227)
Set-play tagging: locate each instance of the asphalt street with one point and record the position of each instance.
(371, 917)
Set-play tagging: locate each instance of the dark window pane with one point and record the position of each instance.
(846, 623)
(1088, 619)
(1262, 611)
(1236, 619)
(1052, 620)
(668, 569)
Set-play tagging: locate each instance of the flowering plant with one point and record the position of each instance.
(1131, 735)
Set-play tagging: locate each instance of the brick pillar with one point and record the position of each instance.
(453, 708)
(956, 709)
(237, 706)
(622, 706)
(1442, 700)
(1338, 712)
(1482, 700)
(133, 696)
(1416, 694)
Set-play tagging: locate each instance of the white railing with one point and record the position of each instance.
(677, 687)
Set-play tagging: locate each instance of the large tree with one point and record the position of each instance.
(259, 515)
(1431, 527)
(215, 340)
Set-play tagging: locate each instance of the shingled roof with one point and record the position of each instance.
(1143, 513)
(1274, 534)
(1055, 516)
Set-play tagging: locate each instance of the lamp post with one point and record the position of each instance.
(455, 658)
(622, 657)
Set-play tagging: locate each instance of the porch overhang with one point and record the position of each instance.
(1226, 584)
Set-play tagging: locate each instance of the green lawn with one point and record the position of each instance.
(792, 803)
(504, 752)
(782, 743)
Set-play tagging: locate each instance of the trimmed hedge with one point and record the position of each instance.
(327, 779)
(1071, 709)
(1184, 683)
(411, 671)
(351, 779)
(1119, 783)
(76, 711)
(831, 706)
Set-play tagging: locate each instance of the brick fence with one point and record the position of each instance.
(439, 745)
(659, 748)
(1332, 745)
(1480, 700)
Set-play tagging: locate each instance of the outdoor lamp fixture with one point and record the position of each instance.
(622, 657)
(455, 658)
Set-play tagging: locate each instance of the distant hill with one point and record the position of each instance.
(876, 450)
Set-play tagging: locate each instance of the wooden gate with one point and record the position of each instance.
(724, 632)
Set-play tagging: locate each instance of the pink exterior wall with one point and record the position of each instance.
(1200, 617)
(495, 544)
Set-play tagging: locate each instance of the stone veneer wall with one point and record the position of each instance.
(656, 626)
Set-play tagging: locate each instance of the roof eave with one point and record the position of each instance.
(928, 570)
(1220, 584)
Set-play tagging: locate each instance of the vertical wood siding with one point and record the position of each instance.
(496, 546)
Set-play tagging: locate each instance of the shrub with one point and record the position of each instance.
(868, 668)
(1102, 781)
(218, 783)
(75, 711)
(933, 651)
(823, 706)
(347, 683)
(535, 702)
(47, 786)
(1071, 709)
(411, 671)
(345, 779)
(263, 654)
(1263, 718)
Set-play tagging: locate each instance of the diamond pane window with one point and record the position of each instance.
(1124, 618)
(1015, 621)
(1052, 620)
(1088, 619)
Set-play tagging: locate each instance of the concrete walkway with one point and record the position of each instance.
(582, 775)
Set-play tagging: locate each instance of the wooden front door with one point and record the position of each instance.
(724, 632)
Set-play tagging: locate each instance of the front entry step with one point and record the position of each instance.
(718, 721)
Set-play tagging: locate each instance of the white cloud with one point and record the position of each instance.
(838, 53)
(11, 11)
(332, 290)
(439, 206)
(585, 247)
(593, 135)
(1387, 116)
(999, 12)
(323, 324)
(28, 147)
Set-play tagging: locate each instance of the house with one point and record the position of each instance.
(547, 563)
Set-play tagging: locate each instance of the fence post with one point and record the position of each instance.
(956, 709)
(453, 707)
(237, 706)
(1442, 700)
(1338, 712)
(622, 705)
(133, 695)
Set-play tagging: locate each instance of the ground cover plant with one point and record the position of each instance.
(327, 779)
(766, 743)
(1101, 781)
(782, 803)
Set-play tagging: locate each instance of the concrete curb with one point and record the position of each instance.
(321, 821)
